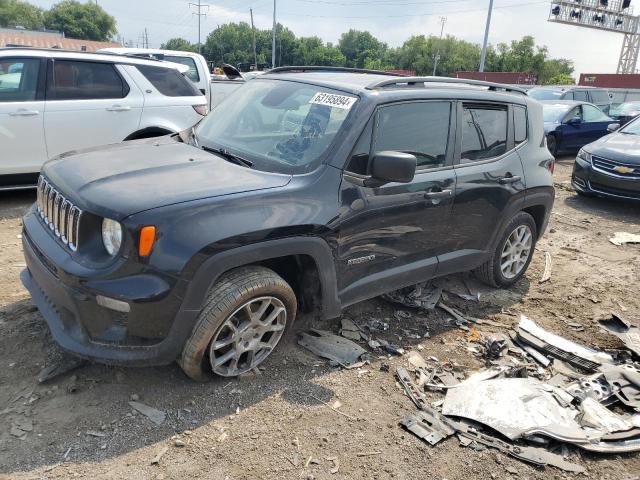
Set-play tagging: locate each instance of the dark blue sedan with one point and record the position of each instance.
(570, 125)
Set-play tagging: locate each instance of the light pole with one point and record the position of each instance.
(443, 20)
(486, 37)
(273, 39)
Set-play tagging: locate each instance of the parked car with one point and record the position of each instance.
(309, 191)
(625, 112)
(61, 101)
(215, 90)
(570, 125)
(596, 96)
(610, 167)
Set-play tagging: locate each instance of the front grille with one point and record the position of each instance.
(59, 214)
(611, 167)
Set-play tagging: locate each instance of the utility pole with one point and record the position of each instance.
(199, 6)
(443, 20)
(486, 37)
(253, 30)
(273, 39)
(146, 38)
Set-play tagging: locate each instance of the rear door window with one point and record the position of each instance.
(192, 73)
(484, 132)
(599, 96)
(420, 128)
(19, 79)
(79, 80)
(580, 95)
(169, 82)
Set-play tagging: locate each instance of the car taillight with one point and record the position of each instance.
(201, 109)
(552, 166)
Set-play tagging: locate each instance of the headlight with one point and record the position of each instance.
(111, 236)
(584, 155)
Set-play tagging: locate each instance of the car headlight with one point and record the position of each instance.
(584, 155)
(111, 236)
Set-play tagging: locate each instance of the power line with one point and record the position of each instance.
(432, 14)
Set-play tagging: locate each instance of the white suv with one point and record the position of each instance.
(53, 101)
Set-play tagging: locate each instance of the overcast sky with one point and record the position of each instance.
(392, 21)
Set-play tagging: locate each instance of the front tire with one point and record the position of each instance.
(512, 256)
(244, 316)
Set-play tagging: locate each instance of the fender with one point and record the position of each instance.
(315, 247)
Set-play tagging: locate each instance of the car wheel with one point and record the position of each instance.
(244, 316)
(511, 258)
(552, 144)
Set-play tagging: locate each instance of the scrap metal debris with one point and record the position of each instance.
(622, 238)
(153, 414)
(629, 334)
(327, 345)
(423, 295)
(350, 330)
(65, 364)
(577, 396)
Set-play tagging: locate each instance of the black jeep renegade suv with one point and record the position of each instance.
(306, 188)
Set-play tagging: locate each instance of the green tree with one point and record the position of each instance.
(179, 44)
(18, 13)
(86, 21)
(358, 46)
(561, 79)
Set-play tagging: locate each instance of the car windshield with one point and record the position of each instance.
(545, 94)
(279, 126)
(628, 107)
(553, 112)
(631, 128)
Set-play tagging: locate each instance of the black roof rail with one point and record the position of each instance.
(317, 68)
(411, 81)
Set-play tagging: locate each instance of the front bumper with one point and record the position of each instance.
(587, 179)
(152, 333)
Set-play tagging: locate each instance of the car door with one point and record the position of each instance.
(21, 116)
(595, 123)
(490, 183)
(88, 104)
(390, 235)
(572, 130)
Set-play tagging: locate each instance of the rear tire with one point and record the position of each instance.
(512, 256)
(244, 316)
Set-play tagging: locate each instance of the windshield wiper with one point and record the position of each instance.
(227, 155)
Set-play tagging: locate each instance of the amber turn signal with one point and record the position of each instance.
(147, 239)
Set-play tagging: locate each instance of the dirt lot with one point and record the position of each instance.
(274, 425)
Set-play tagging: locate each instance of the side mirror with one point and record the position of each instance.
(393, 167)
(575, 121)
(612, 127)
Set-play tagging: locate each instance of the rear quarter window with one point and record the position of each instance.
(168, 81)
(520, 124)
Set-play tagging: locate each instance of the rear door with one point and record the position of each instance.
(394, 233)
(88, 104)
(22, 143)
(490, 183)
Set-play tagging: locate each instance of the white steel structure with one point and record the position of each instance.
(608, 15)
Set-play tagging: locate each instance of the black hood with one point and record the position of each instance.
(127, 178)
(620, 147)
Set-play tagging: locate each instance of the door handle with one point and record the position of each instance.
(509, 179)
(438, 194)
(24, 113)
(119, 108)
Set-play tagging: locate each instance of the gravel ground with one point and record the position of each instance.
(276, 425)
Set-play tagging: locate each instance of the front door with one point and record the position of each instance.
(391, 235)
(595, 123)
(89, 104)
(22, 145)
(490, 183)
